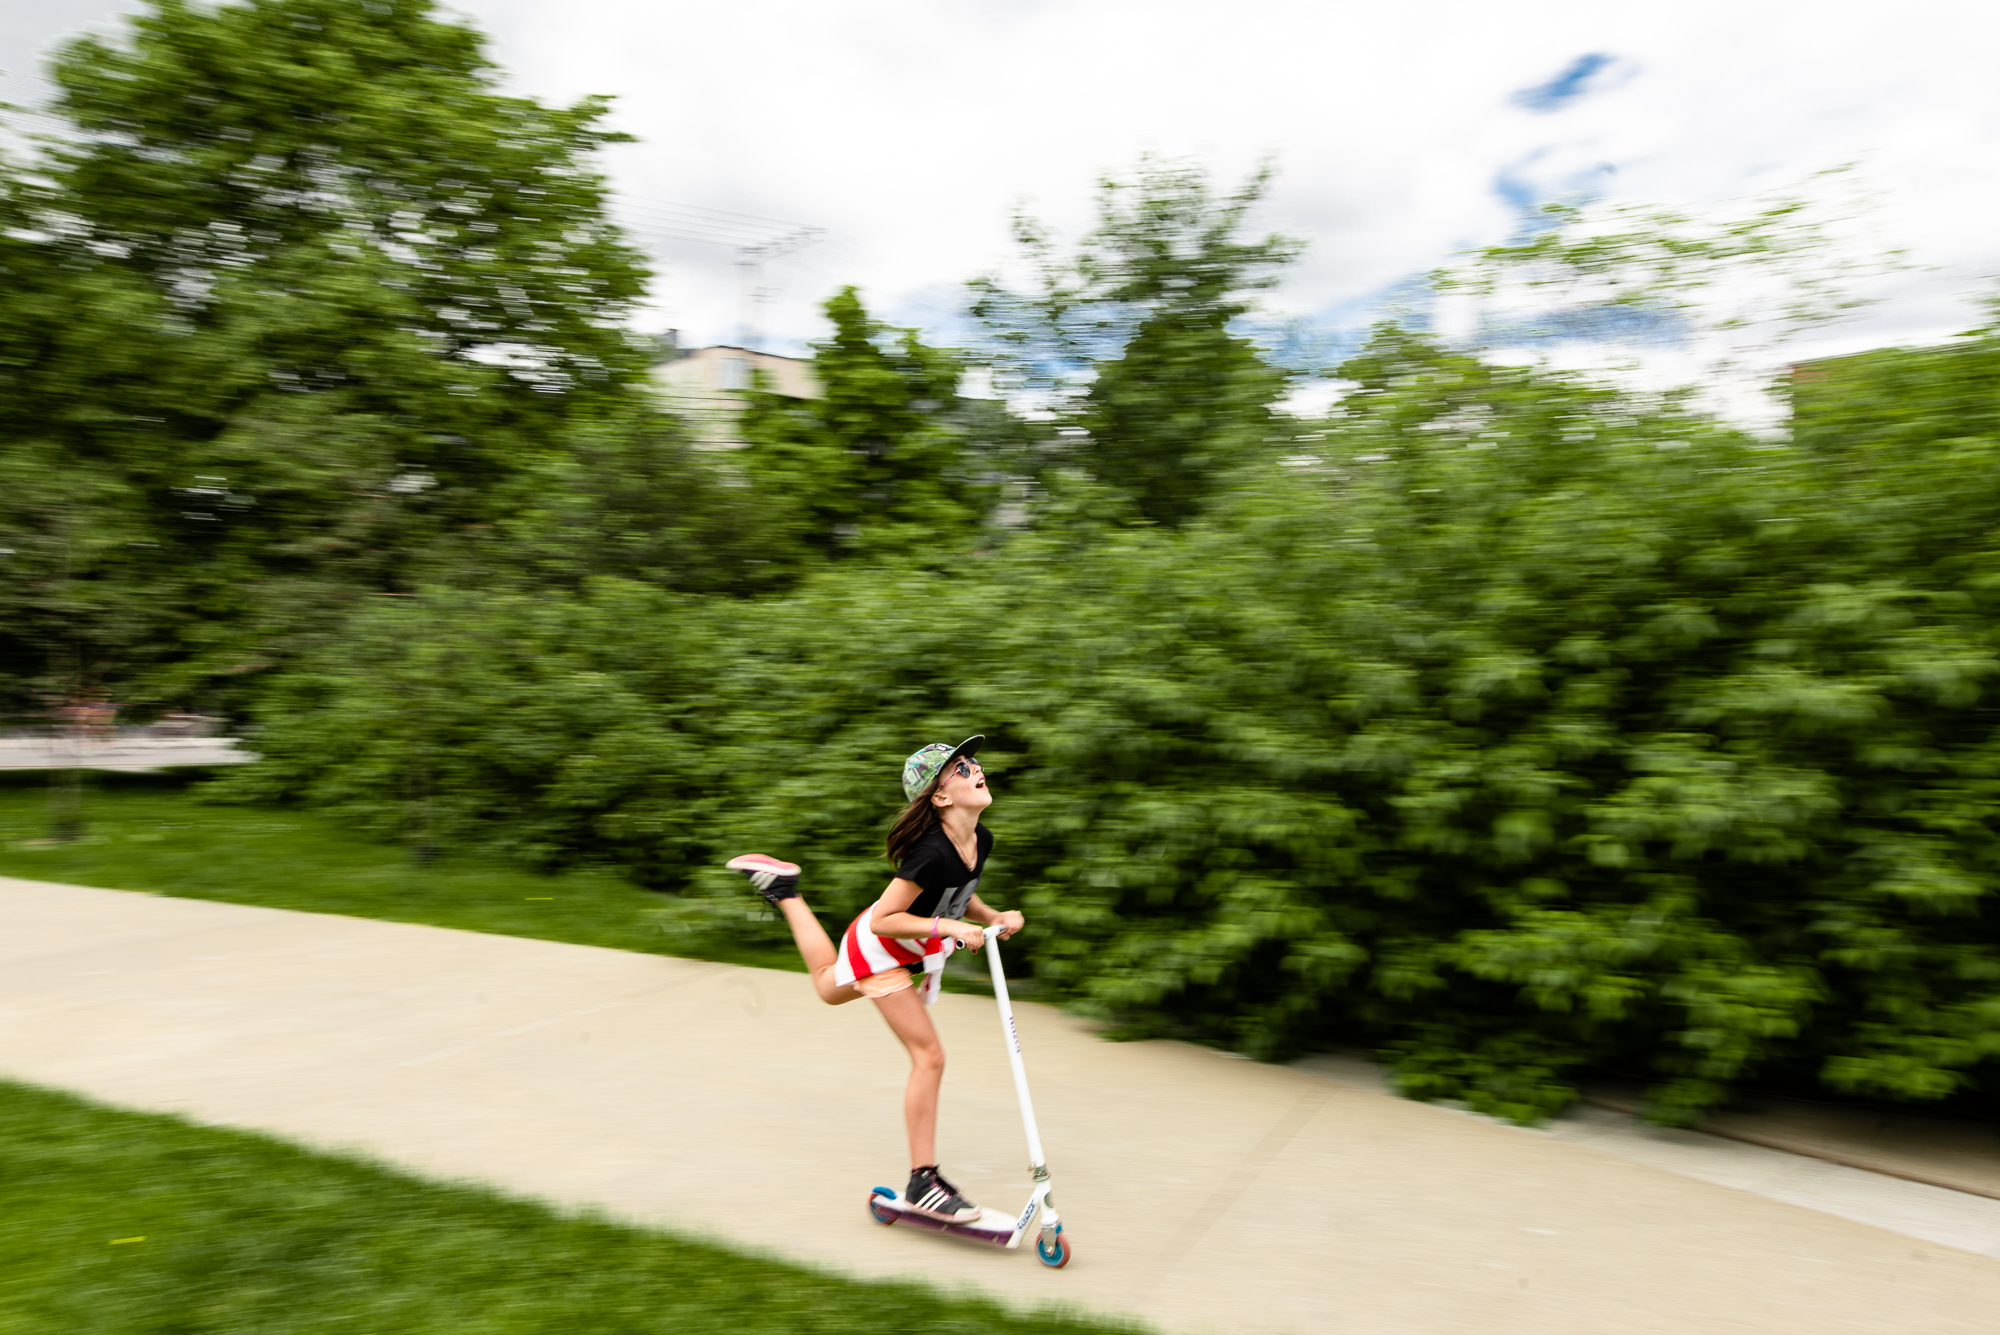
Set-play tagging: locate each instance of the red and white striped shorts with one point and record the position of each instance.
(866, 955)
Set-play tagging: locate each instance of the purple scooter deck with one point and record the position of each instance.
(889, 1207)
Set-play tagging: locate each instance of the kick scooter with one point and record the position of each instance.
(1051, 1246)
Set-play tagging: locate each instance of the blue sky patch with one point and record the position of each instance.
(1566, 87)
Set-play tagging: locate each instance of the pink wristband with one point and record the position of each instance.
(934, 923)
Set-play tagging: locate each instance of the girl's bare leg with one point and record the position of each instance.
(818, 951)
(910, 1020)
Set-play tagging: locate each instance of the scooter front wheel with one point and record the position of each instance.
(1053, 1250)
(877, 1207)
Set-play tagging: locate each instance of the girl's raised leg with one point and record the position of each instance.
(818, 951)
(778, 883)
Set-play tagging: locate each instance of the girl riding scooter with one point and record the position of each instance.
(894, 951)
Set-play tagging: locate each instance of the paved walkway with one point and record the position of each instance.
(1203, 1193)
(1931, 1178)
(1962, 1156)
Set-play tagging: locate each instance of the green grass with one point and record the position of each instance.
(150, 832)
(119, 1222)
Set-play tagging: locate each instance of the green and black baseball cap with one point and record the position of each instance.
(924, 764)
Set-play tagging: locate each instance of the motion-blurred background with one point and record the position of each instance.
(1470, 532)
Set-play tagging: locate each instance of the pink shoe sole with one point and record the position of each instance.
(755, 862)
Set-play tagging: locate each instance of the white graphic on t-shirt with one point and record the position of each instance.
(952, 903)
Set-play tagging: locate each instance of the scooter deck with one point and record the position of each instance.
(992, 1227)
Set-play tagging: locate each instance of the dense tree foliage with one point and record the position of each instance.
(300, 295)
(1132, 338)
(1514, 723)
(878, 462)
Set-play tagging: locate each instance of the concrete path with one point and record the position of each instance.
(1961, 1156)
(1203, 1193)
(1817, 1171)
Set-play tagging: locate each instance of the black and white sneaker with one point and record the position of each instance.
(771, 878)
(930, 1194)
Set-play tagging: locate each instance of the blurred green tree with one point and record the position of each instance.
(627, 494)
(80, 595)
(1510, 721)
(337, 292)
(1883, 400)
(1133, 336)
(878, 463)
(1515, 725)
(550, 725)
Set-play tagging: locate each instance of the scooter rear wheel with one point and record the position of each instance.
(881, 1213)
(1052, 1249)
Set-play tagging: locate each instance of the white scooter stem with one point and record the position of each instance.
(1037, 1164)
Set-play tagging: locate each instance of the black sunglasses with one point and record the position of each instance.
(963, 769)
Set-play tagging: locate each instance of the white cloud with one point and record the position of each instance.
(910, 128)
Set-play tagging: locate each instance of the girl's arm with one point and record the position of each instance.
(891, 918)
(1010, 921)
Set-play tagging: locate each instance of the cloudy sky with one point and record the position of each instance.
(907, 131)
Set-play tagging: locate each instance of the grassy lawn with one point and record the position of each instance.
(122, 1222)
(147, 832)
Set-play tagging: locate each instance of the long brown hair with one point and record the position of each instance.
(919, 818)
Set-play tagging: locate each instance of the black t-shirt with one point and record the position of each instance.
(948, 884)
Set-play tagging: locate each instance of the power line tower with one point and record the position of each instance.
(750, 265)
(756, 241)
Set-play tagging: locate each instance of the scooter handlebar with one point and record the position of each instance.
(992, 930)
